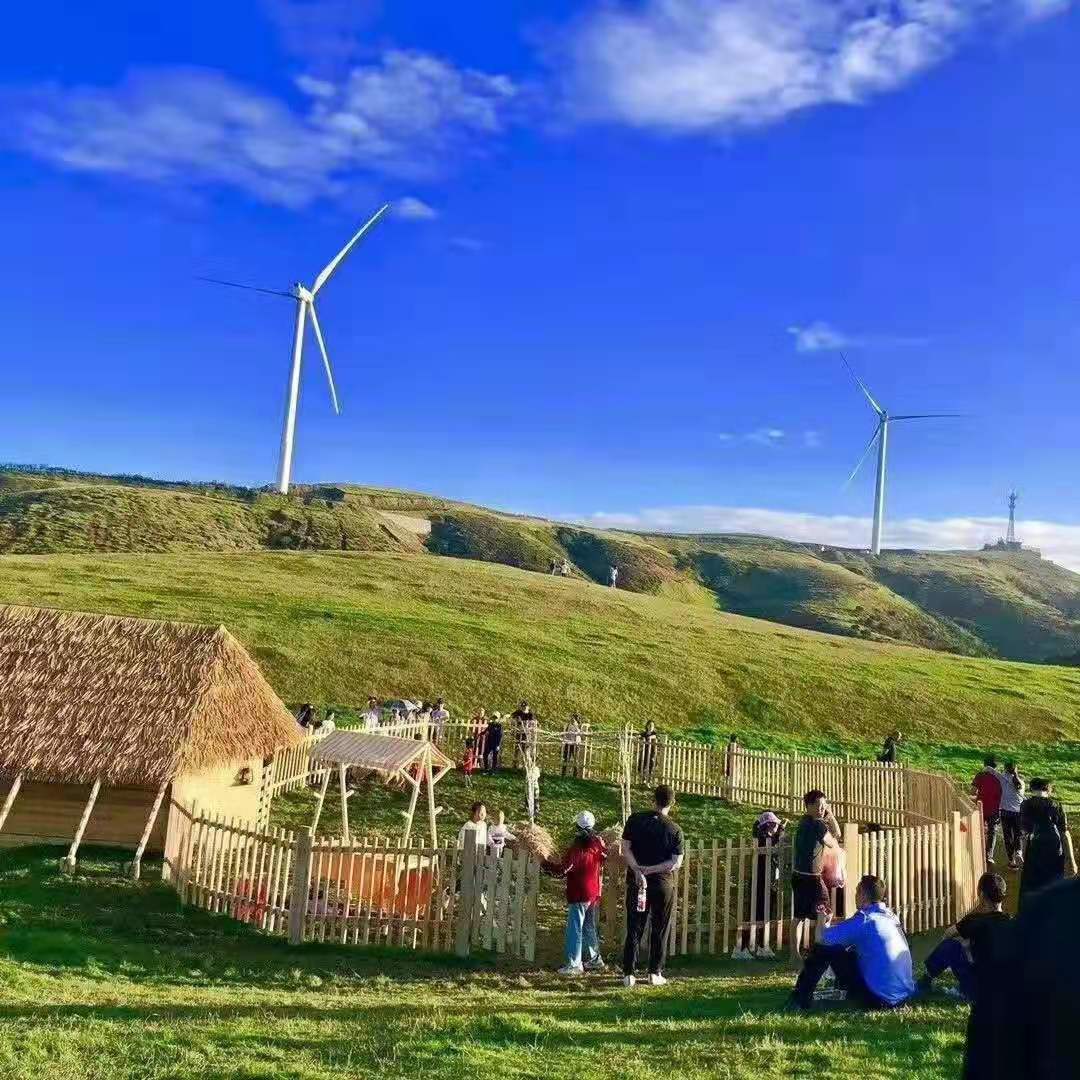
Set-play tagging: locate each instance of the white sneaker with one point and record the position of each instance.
(657, 980)
(571, 969)
(628, 980)
(595, 965)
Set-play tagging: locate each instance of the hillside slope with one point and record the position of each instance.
(334, 627)
(1011, 605)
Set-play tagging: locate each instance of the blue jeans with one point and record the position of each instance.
(950, 953)
(581, 930)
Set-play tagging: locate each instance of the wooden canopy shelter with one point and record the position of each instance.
(101, 716)
(413, 760)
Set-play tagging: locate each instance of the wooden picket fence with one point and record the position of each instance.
(366, 891)
(731, 895)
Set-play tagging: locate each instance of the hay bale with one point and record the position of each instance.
(537, 841)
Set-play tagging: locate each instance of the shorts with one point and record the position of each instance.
(809, 896)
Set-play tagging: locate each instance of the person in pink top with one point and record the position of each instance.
(986, 787)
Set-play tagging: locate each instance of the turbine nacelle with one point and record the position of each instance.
(302, 294)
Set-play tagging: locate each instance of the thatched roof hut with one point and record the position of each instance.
(125, 703)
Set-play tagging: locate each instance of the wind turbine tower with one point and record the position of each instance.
(881, 437)
(305, 313)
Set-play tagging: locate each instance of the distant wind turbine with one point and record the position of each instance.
(881, 437)
(305, 310)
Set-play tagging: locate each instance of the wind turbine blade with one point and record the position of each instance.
(930, 416)
(325, 359)
(250, 288)
(865, 455)
(328, 270)
(862, 386)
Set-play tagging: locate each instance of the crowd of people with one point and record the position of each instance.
(1034, 827)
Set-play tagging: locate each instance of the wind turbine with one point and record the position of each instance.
(305, 310)
(881, 437)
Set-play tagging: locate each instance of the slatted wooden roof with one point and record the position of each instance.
(370, 750)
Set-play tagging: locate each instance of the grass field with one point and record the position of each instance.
(332, 628)
(104, 979)
(1008, 604)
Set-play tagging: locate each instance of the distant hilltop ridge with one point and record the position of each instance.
(1002, 601)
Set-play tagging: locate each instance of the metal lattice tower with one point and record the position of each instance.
(1010, 536)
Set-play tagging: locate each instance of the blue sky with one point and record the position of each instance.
(628, 236)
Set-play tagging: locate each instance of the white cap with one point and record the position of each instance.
(585, 820)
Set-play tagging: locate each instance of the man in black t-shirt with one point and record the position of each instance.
(652, 845)
(973, 947)
(817, 830)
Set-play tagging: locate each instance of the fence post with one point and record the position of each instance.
(301, 884)
(466, 898)
(956, 854)
(793, 786)
(853, 865)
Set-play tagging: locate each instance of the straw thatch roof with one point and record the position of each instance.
(370, 750)
(131, 701)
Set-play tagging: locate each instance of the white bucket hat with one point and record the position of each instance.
(585, 821)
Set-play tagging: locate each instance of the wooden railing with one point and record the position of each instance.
(368, 891)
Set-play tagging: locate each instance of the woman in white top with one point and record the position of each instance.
(476, 828)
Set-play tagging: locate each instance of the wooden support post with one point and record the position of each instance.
(322, 798)
(434, 839)
(412, 805)
(343, 784)
(10, 799)
(69, 861)
(853, 869)
(136, 863)
(956, 855)
(301, 885)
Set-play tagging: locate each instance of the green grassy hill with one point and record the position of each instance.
(1015, 606)
(334, 627)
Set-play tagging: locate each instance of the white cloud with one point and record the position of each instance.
(403, 115)
(766, 436)
(706, 65)
(1061, 543)
(468, 245)
(818, 336)
(412, 209)
(812, 440)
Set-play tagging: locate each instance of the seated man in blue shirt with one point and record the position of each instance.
(868, 953)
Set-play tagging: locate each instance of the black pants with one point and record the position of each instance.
(845, 966)
(991, 833)
(491, 757)
(1010, 827)
(569, 759)
(660, 905)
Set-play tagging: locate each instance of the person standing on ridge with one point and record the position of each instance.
(613, 576)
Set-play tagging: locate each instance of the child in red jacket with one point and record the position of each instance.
(582, 866)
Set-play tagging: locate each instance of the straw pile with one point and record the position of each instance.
(537, 841)
(129, 701)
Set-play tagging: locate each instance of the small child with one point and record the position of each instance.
(468, 759)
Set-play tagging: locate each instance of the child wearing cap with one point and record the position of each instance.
(582, 866)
